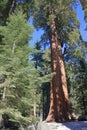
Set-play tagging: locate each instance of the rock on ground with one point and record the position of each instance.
(78, 125)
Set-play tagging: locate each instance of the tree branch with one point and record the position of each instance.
(12, 6)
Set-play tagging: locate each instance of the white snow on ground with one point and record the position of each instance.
(58, 126)
(79, 125)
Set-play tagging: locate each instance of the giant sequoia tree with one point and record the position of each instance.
(57, 18)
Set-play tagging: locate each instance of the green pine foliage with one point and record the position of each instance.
(19, 79)
(76, 76)
(64, 16)
(7, 7)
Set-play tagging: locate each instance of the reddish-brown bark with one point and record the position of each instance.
(59, 101)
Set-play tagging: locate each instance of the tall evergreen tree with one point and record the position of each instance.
(75, 59)
(18, 76)
(20, 81)
(57, 18)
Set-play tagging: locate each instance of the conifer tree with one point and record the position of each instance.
(75, 58)
(20, 81)
(57, 18)
(18, 76)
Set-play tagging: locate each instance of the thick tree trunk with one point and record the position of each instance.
(59, 101)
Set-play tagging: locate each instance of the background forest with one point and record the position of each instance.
(25, 69)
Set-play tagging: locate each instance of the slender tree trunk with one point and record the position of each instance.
(4, 94)
(13, 48)
(34, 107)
(13, 6)
(59, 101)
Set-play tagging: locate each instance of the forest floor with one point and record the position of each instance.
(78, 125)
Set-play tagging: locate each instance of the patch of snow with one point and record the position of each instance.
(79, 125)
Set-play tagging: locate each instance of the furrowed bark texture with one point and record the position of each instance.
(59, 101)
